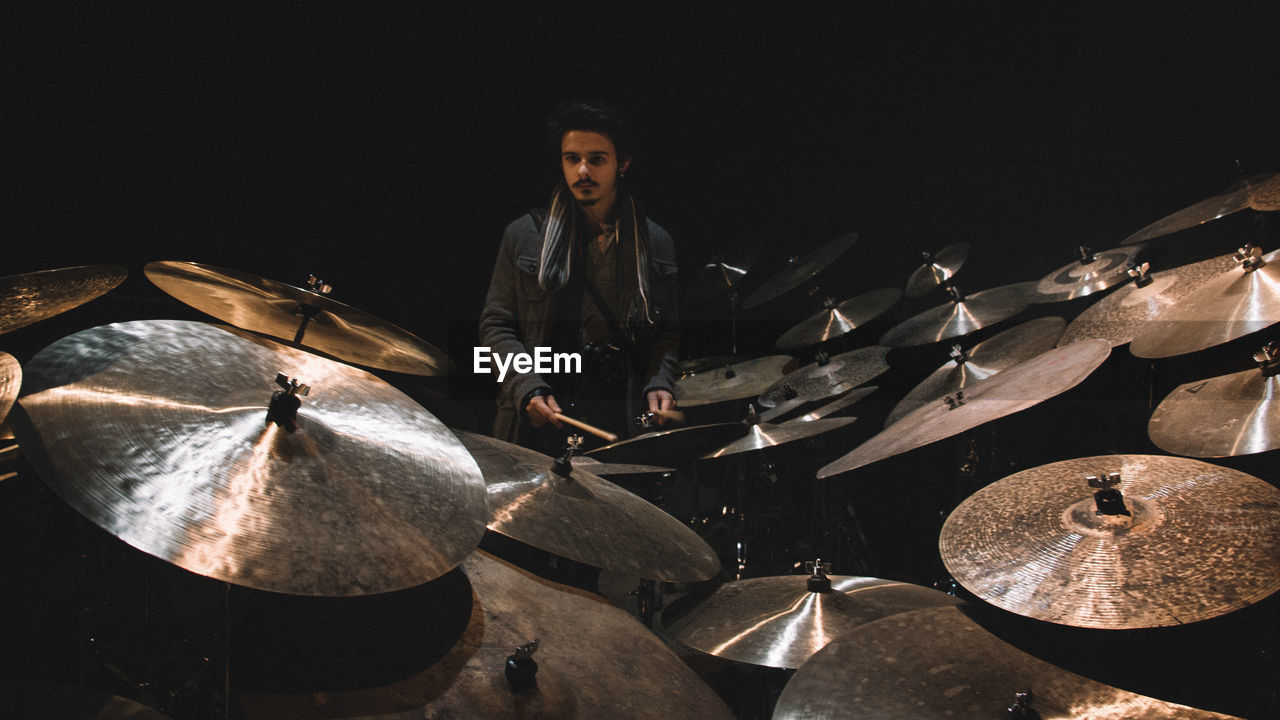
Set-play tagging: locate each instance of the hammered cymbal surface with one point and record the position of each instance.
(32, 297)
(839, 319)
(1228, 415)
(962, 317)
(839, 374)
(941, 267)
(1105, 269)
(156, 431)
(730, 382)
(800, 270)
(766, 435)
(1202, 541)
(1257, 192)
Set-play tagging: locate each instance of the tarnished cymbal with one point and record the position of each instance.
(836, 320)
(798, 270)
(593, 661)
(158, 432)
(765, 435)
(1015, 345)
(31, 297)
(271, 308)
(583, 517)
(1121, 314)
(10, 383)
(1239, 301)
(603, 469)
(819, 381)
(781, 621)
(1095, 271)
(730, 382)
(1235, 414)
(673, 447)
(939, 663)
(1026, 384)
(1260, 192)
(938, 268)
(1199, 541)
(835, 406)
(961, 316)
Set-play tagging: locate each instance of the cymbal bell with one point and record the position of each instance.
(798, 270)
(963, 315)
(31, 297)
(838, 319)
(938, 268)
(1260, 192)
(1095, 271)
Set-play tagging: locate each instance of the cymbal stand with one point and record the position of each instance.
(306, 312)
(735, 307)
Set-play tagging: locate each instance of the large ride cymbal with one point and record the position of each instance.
(937, 269)
(819, 381)
(836, 320)
(31, 297)
(798, 270)
(158, 432)
(730, 382)
(996, 353)
(939, 663)
(1017, 388)
(271, 308)
(1228, 415)
(961, 316)
(10, 383)
(1260, 192)
(584, 517)
(766, 435)
(1199, 541)
(1093, 272)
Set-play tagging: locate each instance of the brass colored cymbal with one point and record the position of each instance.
(1026, 384)
(780, 622)
(836, 320)
(798, 270)
(271, 308)
(1098, 271)
(937, 269)
(158, 432)
(674, 447)
(765, 435)
(833, 407)
(1015, 345)
(31, 297)
(961, 316)
(730, 382)
(1261, 192)
(603, 469)
(584, 517)
(938, 663)
(1200, 541)
(1235, 414)
(10, 383)
(819, 381)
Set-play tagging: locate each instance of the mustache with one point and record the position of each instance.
(586, 183)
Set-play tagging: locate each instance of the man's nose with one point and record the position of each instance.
(583, 170)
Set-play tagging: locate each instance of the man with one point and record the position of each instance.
(592, 275)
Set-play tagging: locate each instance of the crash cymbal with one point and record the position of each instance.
(593, 660)
(937, 269)
(603, 469)
(1198, 541)
(938, 663)
(1235, 414)
(782, 621)
(819, 381)
(10, 383)
(999, 352)
(158, 432)
(834, 406)
(1239, 301)
(271, 308)
(583, 517)
(1026, 384)
(798, 270)
(1260, 192)
(1095, 271)
(31, 297)
(730, 382)
(836, 320)
(674, 447)
(763, 435)
(961, 316)
(1121, 314)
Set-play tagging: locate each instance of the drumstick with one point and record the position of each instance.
(589, 428)
(672, 415)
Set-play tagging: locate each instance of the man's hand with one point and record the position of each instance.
(542, 409)
(660, 400)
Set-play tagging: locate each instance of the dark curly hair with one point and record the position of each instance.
(594, 117)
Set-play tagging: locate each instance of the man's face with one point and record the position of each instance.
(591, 166)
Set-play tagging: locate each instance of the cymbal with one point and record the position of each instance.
(836, 320)
(1235, 414)
(1201, 541)
(157, 432)
(765, 435)
(731, 382)
(937, 662)
(1121, 314)
(1239, 301)
(32, 297)
(603, 469)
(817, 381)
(717, 277)
(999, 352)
(937, 269)
(780, 622)
(1084, 277)
(10, 383)
(271, 308)
(61, 702)
(832, 407)
(697, 365)
(674, 447)
(1026, 384)
(961, 316)
(584, 517)
(798, 270)
(593, 661)
(1261, 192)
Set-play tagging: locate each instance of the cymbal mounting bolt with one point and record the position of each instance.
(283, 408)
(958, 354)
(1108, 499)
(521, 668)
(1086, 254)
(818, 580)
(318, 286)
(1267, 359)
(1140, 274)
(1021, 707)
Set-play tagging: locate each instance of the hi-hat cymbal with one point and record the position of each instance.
(1199, 541)
(798, 270)
(1026, 384)
(766, 435)
(271, 308)
(834, 406)
(730, 382)
(1015, 345)
(782, 621)
(1241, 300)
(585, 518)
(937, 269)
(1235, 414)
(158, 432)
(819, 381)
(939, 663)
(961, 316)
(1094, 272)
(836, 320)
(10, 383)
(1260, 192)
(31, 297)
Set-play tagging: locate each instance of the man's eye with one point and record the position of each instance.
(597, 160)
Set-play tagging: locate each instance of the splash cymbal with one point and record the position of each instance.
(31, 297)
(1092, 273)
(798, 270)
(1260, 192)
(961, 316)
(836, 320)
(937, 269)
